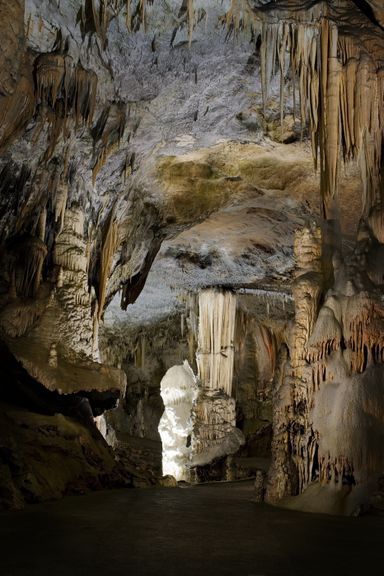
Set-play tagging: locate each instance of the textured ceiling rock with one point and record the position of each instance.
(145, 123)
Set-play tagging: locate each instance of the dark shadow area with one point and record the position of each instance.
(18, 388)
(215, 530)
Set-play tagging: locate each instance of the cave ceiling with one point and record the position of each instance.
(166, 126)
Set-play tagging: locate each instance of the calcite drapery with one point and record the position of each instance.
(217, 313)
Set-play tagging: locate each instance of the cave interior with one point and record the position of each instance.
(192, 279)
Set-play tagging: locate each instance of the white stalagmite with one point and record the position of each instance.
(215, 355)
(178, 390)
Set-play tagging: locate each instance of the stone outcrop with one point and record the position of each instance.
(45, 457)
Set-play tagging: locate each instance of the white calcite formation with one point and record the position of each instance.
(178, 391)
(215, 354)
(214, 413)
(199, 424)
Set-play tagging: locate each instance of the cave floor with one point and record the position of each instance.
(210, 530)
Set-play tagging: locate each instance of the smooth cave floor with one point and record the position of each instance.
(205, 530)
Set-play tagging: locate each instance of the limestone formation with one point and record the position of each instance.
(178, 391)
(202, 180)
(215, 355)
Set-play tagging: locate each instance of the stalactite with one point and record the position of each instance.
(341, 97)
(100, 19)
(85, 92)
(330, 127)
(239, 16)
(128, 17)
(63, 91)
(190, 20)
(217, 313)
(53, 74)
(143, 13)
(107, 135)
(28, 255)
(110, 244)
(61, 204)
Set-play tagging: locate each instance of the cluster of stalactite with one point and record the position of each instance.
(339, 79)
(215, 355)
(63, 90)
(96, 15)
(107, 134)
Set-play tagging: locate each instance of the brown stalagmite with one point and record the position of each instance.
(307, 290)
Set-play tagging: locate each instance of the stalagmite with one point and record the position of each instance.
(214, 432)
(70, 246)
(178, 391)
(107, 135)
